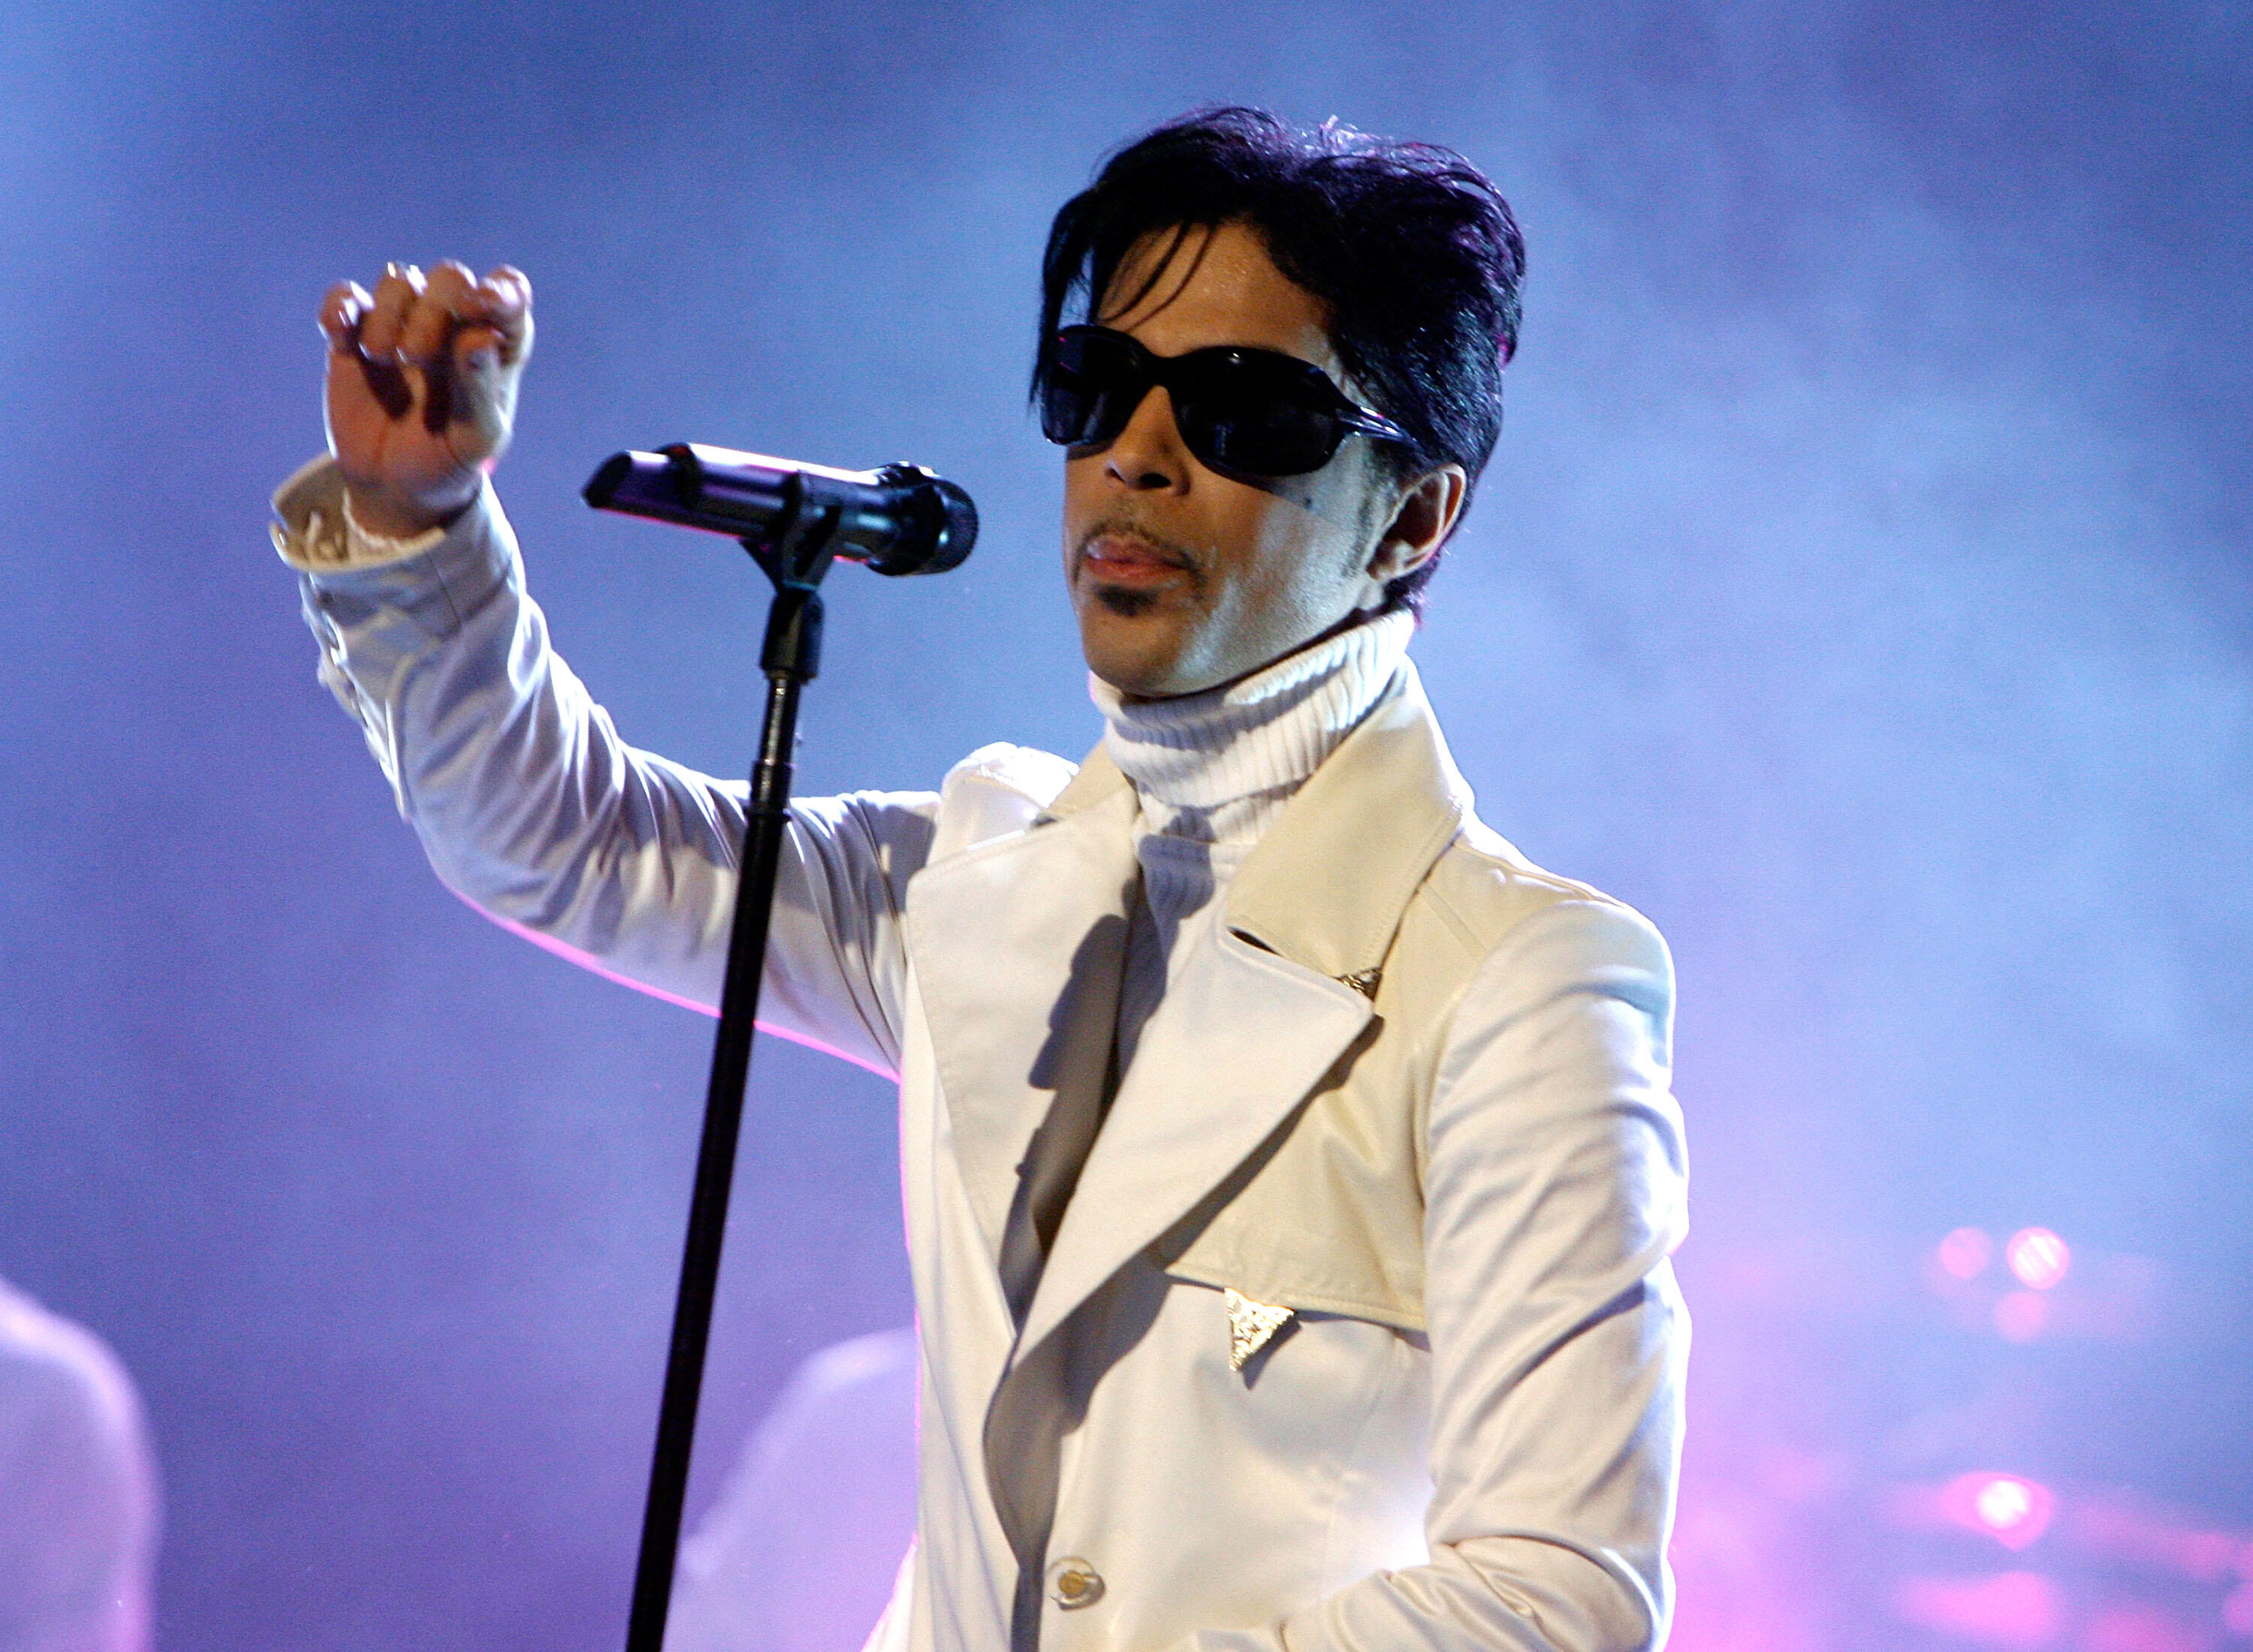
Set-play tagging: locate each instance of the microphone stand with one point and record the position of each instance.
(795, 560)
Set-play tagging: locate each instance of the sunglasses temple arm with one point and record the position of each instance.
(1378, 425)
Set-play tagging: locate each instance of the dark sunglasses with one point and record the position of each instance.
(1258, 412)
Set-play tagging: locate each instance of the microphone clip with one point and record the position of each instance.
(796, 559)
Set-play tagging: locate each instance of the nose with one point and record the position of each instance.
(1147, 455)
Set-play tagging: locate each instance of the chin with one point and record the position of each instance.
(1140, 684)
(1123, 603)
(1145, 667)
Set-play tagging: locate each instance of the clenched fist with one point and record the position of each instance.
(421, 388)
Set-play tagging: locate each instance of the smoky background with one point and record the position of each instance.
(1861, 590)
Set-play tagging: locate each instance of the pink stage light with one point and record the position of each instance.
(2019, 1611)
(2004, 1503)
(2237, 1611)
(1965, 1253)
(2138, 1628)
(2013, 1510)
(2131, 1529)
(2019, 1316)
(2038, 1257)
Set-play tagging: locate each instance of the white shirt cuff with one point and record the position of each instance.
(318, 533)
(365, 549)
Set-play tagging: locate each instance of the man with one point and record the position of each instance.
(1290, 1168)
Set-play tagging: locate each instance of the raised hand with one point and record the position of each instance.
(422, 387)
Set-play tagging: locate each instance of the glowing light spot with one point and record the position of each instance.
(2003, 1503)
(2008, 1508)
(2038, 1257)
(1966, 1253)
(2019, 1316)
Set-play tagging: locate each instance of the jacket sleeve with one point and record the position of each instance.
(532, 809)
(1555, 1195)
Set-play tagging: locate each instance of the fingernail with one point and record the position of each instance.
(393, 269)
(481, 360)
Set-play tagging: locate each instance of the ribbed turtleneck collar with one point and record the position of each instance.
(1215, 767)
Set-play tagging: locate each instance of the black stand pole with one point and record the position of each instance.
(791, 658)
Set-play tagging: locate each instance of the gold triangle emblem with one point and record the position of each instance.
(1250, 1326)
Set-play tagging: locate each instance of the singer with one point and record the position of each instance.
(1290, 1165)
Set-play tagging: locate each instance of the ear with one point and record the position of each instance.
(1421, 522)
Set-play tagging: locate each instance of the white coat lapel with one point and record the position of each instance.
(1017, 947)
(1267, 1009)
(1243, 1038)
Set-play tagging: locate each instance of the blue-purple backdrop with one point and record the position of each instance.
(1862, 590)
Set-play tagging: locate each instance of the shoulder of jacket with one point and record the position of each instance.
(995, 790)
(1035, 776)
(1482, 886)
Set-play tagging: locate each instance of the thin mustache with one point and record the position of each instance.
(1167, 550)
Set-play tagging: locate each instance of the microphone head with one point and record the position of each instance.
(943, 528)
(901, 519)
(637, 483)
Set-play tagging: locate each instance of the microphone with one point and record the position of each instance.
(900, 519)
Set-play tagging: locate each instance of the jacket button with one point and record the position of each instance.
(1074, 1583)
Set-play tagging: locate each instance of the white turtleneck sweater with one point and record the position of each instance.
(1212, 772)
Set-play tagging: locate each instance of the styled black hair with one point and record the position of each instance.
(1412, 249)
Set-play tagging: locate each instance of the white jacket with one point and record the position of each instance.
(1412, 1090)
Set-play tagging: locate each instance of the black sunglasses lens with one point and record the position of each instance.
(1093, 386)
(1248, 411)
(1242, 414)
(1274, 440)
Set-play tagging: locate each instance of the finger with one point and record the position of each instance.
(437, 395)
(504, 298)
(477, 351)
(445, 299)
(387, 382)
(394, 297)
(485, 385)
(342, 310)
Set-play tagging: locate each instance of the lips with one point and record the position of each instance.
(1128, 559)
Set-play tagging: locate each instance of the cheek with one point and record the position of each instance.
(1078, 491)
(1304, 556)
